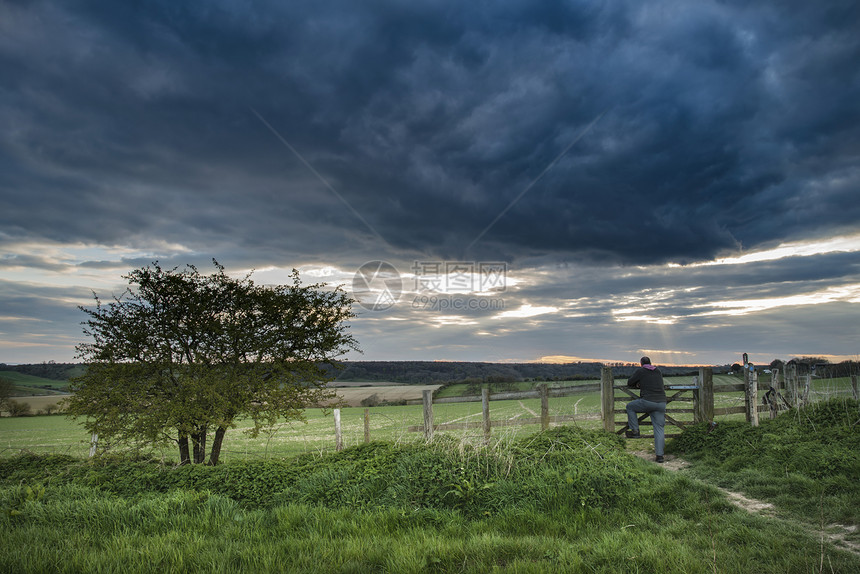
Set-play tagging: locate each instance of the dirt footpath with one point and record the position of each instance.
(837, 534)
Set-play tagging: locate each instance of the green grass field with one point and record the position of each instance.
(59, 435)
(28, 385)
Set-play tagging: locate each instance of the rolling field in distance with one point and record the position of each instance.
(29, 385)
(57, 434)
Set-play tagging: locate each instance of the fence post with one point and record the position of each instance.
(338, 436)
(428, 414)
(607, 399)
(705, 409)
(774, 383)
(791, 382)
(854, 387)
(805, 398)
(752, 397)
(94, 441)
(485, 412)
(543, 388)
(366, 425)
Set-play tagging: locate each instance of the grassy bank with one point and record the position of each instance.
(568, 499)
(83, 531)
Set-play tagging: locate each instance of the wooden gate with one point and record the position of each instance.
(699, 396)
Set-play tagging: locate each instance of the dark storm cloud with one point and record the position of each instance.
(31, 262)
(724, 125)
(37, 315)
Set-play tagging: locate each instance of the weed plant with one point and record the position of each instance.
(567, 499)
(805, 461)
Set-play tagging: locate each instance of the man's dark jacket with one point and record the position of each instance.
(649, 379)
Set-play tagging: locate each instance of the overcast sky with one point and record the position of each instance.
(599, 181)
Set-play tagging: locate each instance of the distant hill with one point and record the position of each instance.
(411, 372)
(53, 371)
(429, 372)
(28, 385)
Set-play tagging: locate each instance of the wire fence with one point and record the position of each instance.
(56, 434)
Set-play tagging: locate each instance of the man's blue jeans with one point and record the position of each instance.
(657, 411)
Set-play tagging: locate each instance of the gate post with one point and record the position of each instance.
(705, 408)
(607, 399)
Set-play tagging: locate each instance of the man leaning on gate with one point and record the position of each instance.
(652, 400)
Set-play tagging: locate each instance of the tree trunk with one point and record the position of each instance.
(184, 456)
(198, 439)
(216, 445)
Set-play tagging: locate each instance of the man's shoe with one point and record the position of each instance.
(659, 458)
(631, 434)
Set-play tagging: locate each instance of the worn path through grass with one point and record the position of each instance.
(840, 535)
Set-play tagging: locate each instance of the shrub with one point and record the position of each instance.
(370, 401)
(17, 409)
(49, 409)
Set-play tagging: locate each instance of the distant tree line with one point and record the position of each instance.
(439, 372)
(477, 374)
(817, 366)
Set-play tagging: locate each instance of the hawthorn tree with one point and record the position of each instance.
(179, 356)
